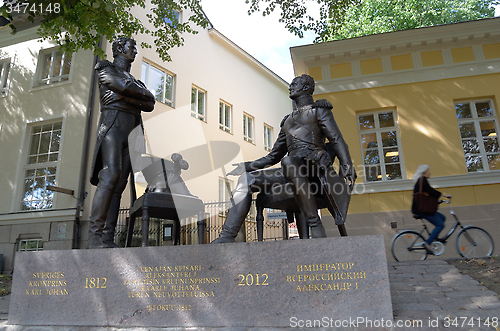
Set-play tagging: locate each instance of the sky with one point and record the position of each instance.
(264, 38)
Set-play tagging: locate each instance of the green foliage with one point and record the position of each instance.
(342, 19)
(379, 16)
(297, 16)
(5, 285)
(80, 24)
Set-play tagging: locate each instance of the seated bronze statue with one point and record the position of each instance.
(305, 159)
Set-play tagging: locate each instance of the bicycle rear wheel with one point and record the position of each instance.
(408, 246)
(473, 242)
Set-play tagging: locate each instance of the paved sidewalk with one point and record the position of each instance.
(433, 291)
(4, 309)
(426, 295)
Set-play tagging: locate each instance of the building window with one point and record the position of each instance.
(198, 104)
(4, 76)
(225, 188)
(29, 245)
(379, 137)
(159, 82)
(53, 66)
(479, 129)
(41, 166)
(175, 19)
(225, 111)
(268, 137)
(248, 128)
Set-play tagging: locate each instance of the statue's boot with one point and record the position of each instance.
(235, 218)
(317, 228)
(108, 234)
(100, 206)
(307, 203)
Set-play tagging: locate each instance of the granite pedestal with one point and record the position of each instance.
(266, 284)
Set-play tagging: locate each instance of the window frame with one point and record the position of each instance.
(223, 191)
(476, 121)
(196, 114)
(5, 70)
(179, 18)
(268, 139)
(145, 80)
(222, 117)
(377, 130)
(51, 80)
(36, 249)
(34, 166)
(248, 128)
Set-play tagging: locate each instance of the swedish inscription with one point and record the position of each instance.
(47, 283)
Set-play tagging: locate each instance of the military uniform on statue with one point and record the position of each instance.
(302, 137)
(122, 99)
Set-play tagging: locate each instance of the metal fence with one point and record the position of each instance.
(160, 231)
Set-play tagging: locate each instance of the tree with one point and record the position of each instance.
(75, 24)
(342, 19)
(80, 24)
(379, 16)
(299, 16)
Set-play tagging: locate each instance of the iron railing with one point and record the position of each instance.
(215, 215)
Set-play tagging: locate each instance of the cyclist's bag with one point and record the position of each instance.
(426, 204)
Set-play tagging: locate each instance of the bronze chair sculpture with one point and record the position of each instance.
(281, 197)
(166, 197)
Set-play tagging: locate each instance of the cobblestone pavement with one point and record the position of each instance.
(435, 293)
(426, 295)
(4, 309)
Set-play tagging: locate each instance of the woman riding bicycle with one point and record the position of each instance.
(437, 219)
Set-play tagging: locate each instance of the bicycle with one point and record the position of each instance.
(471, 242)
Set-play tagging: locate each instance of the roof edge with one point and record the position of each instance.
(245, 54)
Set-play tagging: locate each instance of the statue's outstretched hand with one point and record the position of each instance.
(239, 170)
(348, 172)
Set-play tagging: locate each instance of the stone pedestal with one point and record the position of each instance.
(266, 284)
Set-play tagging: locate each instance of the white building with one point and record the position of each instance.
(214, 91)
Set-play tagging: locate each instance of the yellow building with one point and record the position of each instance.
(423, 96)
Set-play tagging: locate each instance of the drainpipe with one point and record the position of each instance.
(85, 155)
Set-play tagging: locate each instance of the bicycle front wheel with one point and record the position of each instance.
(474, 242)
(408, 246)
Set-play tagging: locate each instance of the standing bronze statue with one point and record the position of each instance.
(123, 98)
(303, 137)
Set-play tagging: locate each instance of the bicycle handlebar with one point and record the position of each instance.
(445, 201)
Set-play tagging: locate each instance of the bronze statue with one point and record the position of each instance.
(164, 176)
(122, 99)
(302, 137)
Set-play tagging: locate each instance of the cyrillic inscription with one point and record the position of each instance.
(341, 277)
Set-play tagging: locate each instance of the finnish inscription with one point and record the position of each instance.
(171, 282)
